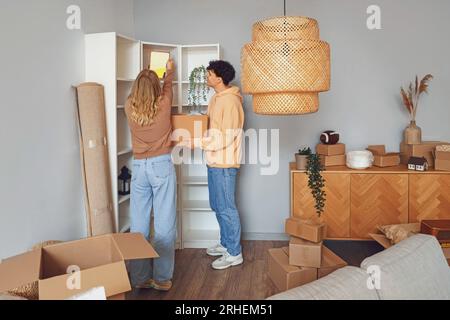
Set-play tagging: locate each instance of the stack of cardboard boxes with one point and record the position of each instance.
(331, 154)
(306, 259)
(424, 149)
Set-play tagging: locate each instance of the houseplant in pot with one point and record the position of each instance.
(301, 158)
(198, 89)
(410, 97)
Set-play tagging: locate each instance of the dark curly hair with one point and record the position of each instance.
(222, 69)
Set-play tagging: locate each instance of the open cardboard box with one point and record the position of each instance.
(187, 126)
(306, 229)
(382, 158)
(101, 261)
(286, 276)
(386, 243)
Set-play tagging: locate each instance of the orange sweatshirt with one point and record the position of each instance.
(223, 143)
(155, 139)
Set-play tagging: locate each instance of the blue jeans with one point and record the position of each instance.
(153, 185)
(222, 188)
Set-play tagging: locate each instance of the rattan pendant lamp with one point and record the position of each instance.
(286, 66)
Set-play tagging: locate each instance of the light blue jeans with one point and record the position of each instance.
(222, 188)
(153, 185)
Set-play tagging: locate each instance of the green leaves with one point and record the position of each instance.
(198, 88)
(316, 182)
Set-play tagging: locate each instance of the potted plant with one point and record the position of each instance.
(413, 134)
(301, 158)
(316, 182)
(198, 89)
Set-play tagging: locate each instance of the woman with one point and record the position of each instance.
(153, 184)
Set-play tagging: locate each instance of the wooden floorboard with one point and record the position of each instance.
(195, 279)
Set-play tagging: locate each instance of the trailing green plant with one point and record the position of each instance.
(304, 152)
(198, 88)
(316, 182)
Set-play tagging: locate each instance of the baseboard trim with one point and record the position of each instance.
(265, 236)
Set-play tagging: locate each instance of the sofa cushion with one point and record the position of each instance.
(413, 269)
(348, 283)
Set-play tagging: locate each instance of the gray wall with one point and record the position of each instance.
(368, 69)
(41, 191)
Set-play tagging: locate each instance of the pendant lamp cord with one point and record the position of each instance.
(284, 8)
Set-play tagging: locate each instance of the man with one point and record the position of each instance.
(222, 147)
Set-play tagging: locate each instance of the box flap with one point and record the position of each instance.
(134, 246)
(20, 270)
(377, 150)
(382, 240)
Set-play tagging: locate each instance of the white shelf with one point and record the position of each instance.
(124, 151)
(125, 224)
(200, 238)
(125, 79)
(196, 205)
(201, 181)
(123, 199)
(121, 107)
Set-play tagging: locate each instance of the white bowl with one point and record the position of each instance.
(359, 160)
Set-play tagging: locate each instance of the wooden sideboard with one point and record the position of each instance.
(357, 201)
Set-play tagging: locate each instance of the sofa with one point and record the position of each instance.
(414, 269)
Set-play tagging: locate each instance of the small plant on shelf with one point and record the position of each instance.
(301, 158)
(316, 182)
(198, 89)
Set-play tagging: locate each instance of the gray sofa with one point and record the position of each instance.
(414, 269)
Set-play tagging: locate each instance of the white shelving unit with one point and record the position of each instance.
(115, 61)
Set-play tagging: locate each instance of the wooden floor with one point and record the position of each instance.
(194, 278)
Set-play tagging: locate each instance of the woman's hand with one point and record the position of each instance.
(170, 66)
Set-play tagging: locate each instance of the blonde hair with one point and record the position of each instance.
(144, 98)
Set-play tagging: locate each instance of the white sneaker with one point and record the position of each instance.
(217, 250)
(227, 261)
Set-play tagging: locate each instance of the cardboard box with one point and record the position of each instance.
(306, 229)
(101, 261)
(442, 165)
(425, 149)
(331, 161)
(330, 263)
(442, 155)
(186, 126)
(330, 149)
(286, 276)
(386, 243)
(382, 158)
(438, 228)
(304, 253)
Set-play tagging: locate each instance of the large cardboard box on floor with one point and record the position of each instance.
(425, 149)
(186, 126)
(97, 262)
(304, 253)
(330, 263)
(306, 229)
(386, 244)
(286, 276)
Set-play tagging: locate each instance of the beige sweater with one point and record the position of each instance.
(226, 122)
(155, 139)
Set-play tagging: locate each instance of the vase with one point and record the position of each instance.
(302, 161)
(413, 134)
